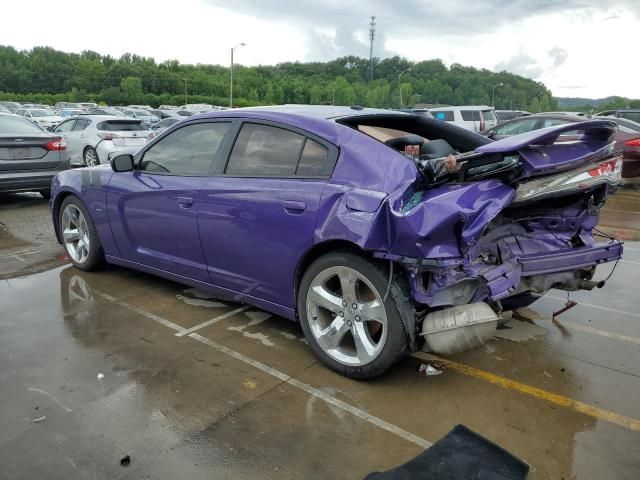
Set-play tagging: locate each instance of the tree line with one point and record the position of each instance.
(46, 75)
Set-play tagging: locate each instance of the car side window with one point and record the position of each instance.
(313, 159)
(446, 115)
(553, 122)
(66, 126)
(517, 127)
(470, 115)
(263, 150)
(188, 151)
(81, 124)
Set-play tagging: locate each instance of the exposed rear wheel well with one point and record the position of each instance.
(323, 248)
(57, 203)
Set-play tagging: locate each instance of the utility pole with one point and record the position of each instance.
(185, 91)
(493, 93)
(400, 84)
(372, 36)
(231, 75)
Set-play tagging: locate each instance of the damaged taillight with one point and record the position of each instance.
(608, 171)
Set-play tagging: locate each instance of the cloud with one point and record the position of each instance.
(521, 64)
(559, 56)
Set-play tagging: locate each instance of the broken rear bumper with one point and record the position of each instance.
(457, 282)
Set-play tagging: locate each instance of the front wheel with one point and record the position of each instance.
(79, 235)
(345, 318)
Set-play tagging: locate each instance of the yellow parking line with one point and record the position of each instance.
(599, 413)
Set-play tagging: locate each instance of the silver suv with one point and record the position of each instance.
(93, 139)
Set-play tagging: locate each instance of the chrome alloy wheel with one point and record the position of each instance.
(347, 316)
(75, 233)
(91, 158)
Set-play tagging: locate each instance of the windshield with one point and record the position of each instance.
(18, 125)
(142, 113)
(41, 112)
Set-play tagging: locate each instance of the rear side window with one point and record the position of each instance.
(81, 124)
(635, 116)
(19, 125)
(313, 159)
(446, 115)
(552, 122)
(489, 116)
(470, 115)
(188, 151)
(121, 126)
(517, 127)
(264, 150)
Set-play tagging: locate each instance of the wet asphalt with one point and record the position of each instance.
(95, 367)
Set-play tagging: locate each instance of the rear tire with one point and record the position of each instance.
(90, 157)
(361, 342)
(79, 236)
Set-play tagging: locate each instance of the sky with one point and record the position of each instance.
(578, 48)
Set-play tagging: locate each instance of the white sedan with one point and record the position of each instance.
(40, 116)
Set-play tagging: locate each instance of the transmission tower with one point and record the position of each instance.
(372, 35)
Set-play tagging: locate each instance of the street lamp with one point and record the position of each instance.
(400, 83)
(231, 76)
(493, 93)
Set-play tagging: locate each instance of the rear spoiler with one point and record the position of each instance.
(541, 154)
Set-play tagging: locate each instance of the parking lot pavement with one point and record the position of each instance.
(96, 366)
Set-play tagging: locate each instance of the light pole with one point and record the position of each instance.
(231, 76)
(400, 83)
(493, 93)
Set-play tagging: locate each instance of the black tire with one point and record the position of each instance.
(396, 344)
(46, 193)
(87, 151)
(95, 258)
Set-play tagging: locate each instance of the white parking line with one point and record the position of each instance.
(367, 417)
(212, 321)
(602, 333)
(629, 261)
(152, 316)
(410, 437)
(598, 307)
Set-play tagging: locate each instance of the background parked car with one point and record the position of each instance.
(162, 125)
(29, 156)
(504, 115)
(72, 105)
(91, 138)
(4, 110)
(40, 116)
(11, 106)
(474, 118)
(69, 112)
(147, 118)
(104, 111)
(628, 113)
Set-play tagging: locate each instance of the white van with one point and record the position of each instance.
(474, 118)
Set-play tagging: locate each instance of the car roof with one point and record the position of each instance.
(100, 118)
(326, 112)
(465, 107)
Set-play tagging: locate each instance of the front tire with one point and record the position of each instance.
(90, 156)
(344, 318)
(79, 235)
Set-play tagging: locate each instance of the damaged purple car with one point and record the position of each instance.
(343, 219)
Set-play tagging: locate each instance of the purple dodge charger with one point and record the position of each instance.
(344, 219)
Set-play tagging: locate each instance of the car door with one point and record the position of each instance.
(153, 210)
(65, 130)
(257, 215)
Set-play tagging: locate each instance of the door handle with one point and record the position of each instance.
(185, 202)
(292, 206)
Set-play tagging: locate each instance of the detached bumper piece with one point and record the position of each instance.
(461, 454)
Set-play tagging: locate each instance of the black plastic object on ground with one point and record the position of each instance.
(459, 455)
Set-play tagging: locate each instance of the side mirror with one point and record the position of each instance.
(122, 163)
